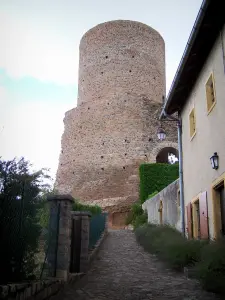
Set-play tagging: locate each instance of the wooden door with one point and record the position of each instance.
(203, 212)
(222, 209)
(189, 221)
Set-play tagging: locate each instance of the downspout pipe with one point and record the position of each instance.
(181, 181)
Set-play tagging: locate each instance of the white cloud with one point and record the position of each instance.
(32, 130)
(27, 50)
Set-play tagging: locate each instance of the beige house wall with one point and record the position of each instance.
(210, 132)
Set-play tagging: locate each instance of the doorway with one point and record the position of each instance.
(196, 219)
(218, 197)
(160, 210)
(222, 208)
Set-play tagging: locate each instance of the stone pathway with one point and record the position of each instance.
(122, 270)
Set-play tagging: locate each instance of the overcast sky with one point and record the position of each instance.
(39, 52)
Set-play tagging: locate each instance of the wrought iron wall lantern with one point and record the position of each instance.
(161, 134)
(215, 161)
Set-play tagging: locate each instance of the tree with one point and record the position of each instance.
(21, 192)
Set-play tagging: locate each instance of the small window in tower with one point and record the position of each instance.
(132, 56)
(88, 108)
(106, 56)
(125, 154)
(102, 156)
(124, 168)
(149, 139)
(130, 71)
(101, 72)
(210, 93)
(102, 169)
(103, 144)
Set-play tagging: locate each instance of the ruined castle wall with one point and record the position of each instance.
(113, 128)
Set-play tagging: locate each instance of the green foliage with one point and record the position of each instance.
(129, 218)
(140, 220)
(205, 259)
(93, 209)
(137, 217)
(210, 270)
(44, 210)
(155, 177)
(169, 245)
(152, 195)
(20, 202)
(136, 209)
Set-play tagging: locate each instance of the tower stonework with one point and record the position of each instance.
(113, 128)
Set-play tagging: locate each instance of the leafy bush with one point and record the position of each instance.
(206, 259)
(136, 209)
(21, 192)
(210, 270)
(169, 245)
(155, 177)
(137, 216)
(140, 220)
(93, 209)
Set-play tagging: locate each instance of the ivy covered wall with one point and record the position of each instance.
(155, 177)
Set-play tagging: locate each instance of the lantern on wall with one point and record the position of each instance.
(161, 134)
(215, 161)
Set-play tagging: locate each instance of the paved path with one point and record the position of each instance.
(122, 271)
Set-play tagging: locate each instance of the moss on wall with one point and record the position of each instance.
(155, 177)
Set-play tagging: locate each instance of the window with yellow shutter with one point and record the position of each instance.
(210, 93)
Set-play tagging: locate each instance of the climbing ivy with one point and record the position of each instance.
(155, 177)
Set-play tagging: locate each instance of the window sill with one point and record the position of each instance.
(193, 135)
(211, 108)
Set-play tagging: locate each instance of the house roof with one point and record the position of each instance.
(208, 24)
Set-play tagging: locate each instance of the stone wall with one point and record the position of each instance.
(168, 202)
(113, 128)
(39, 290)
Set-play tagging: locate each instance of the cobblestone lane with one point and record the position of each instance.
(122, 270)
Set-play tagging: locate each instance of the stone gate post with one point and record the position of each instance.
(63, 203)
(84, 217)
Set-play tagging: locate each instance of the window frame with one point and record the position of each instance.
(210, 107)
(195, 225)
(192, 134)
(217, 226)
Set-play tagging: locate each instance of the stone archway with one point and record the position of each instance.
(168, 155)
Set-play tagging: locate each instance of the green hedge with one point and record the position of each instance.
(155, 177)
(204, 259)
(93, 209)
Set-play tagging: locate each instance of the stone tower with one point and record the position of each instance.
(113, 128)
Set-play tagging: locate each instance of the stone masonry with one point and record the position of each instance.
(113, 128)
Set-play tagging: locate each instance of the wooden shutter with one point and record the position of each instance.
(203, 211)
(189, 221)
